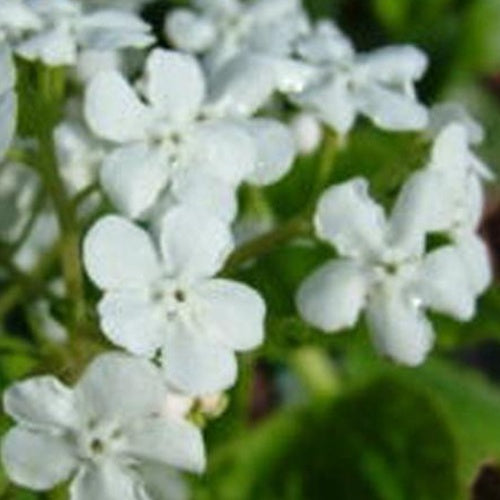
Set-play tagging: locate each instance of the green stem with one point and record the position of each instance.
(68, 224)
(326, 162)
(298, 226)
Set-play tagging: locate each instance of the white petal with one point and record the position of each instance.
(174, 84)
(391, 110)
(56, 47)
(113, 29)
(37, 460)
(348, 218)
(195, 365)
(120, 387)
(450, 152)
(399, 328)
(41, 402)
(7, 69)
(332, 297)
(275, 147)
(133, 177)
(162, 483)
(443, 284)
(419, 209)
(8, 114)
(16, 16)
(222, 149)
(130, 320)
(113, 110)
(194, 244)
(167, 441)
(332, 102)
(205, 194)
(188, 31)
(241, 86)
(232, 314)
(106, 481)
(477, 262)
(394, 64)
(117, 254)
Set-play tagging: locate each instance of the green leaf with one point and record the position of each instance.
(385, 440)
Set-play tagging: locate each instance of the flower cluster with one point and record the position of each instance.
(158, 146)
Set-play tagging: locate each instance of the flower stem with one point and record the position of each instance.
(326, 162)
(295, 227)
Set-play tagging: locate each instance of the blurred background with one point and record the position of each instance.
(318, 417)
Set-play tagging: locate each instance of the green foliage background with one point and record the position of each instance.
(349, 425)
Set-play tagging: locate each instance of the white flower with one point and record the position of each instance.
(8, 100)
(66, 27)
(16, 19)
(222, 30)
(164, 302)
(167, 149)
(106, 434)
(378, 84)
(383, 269)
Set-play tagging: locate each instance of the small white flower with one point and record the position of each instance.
(66, 27)
(8, 100)
(384, 270)
(223, 30)
(167, 148)
(164, 302)
(106, 434)
(378, 84)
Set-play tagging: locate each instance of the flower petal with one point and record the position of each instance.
(167, 441)
(222, 149)
(41, 403)
(130, 320)
(349, 219)
(162, 483)
(195, 365)
(106, 481)
(7, 69)
(443, 284)
(332, 297)
(117, 254)
(37, 460)
(275, 150)
(205, 194)
(108, 29)
(391, 110)
(399, 328)
(189, 31)
(55, 47)
(232, 313)
(113, 110)
(120, 387)
(174, 84)
(332, 102)
(133, 177)
(194, 244)
(476, 259)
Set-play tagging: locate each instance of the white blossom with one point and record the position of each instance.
(106, 434)
(383, 269)
(17, 18)
(167, 150)
(224, 29)
(164, 302)
(308, 133)
(66, 27)
(378, 84)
